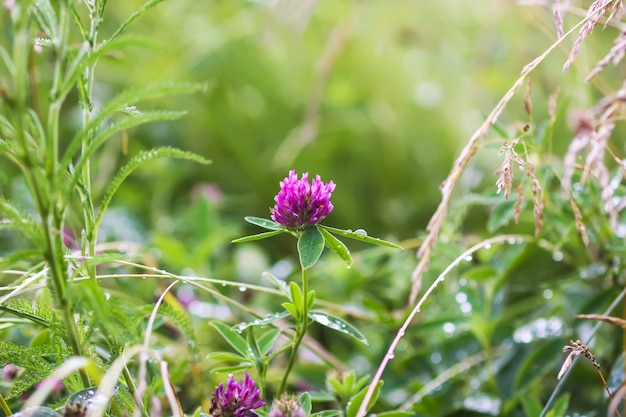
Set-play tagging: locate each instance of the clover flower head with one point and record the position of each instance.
(286, 406)
(300, 204)
(236, 399)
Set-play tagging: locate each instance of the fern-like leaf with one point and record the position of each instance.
(19, 220)
(34, 311)
(147, 6)
(109, 131)
(134, 163)
(39, 362)
(132, 96)
(183, 322)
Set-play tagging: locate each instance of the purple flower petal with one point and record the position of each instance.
(300, 204)
(237, 399)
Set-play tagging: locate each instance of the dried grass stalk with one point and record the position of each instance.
(580, 226)
(615, 56)
(597, 10)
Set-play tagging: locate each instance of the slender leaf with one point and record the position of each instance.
(232, 369)
(264, 223)
(88, 398)
(531, 405)
(361, 235)
(267, 340)
(47, 19)
(270, 318)
(277, 282)
(305, 402)
(296, 296)
(326, 413)
(8, 62)
(396, 414)
(233, 339)
(337, 246)
(310, 247)
(146, 6)
(21, 221)
(83, 59)
(104, 134)
(227, 356)
(38, 411)
(335, 323)
(292, 310)
(117, 104)
(133, 164)
(258, 236)
(355, 402)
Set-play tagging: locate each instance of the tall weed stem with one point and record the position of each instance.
(45, 199)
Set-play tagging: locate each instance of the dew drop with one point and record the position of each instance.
(468, 258)
(360, 232)
(557, 256)
(348, 266)
(391, 356)
(242, 289)
(511, 241)
(487, 246)
(223, 284)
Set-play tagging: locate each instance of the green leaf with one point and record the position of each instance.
(296, 296)
(361, 235)
(305, 402)
(501, 215)
(21, 221)
(335, 323)
(130, 19)
(270, 318)
(116, 105)
(134, 163)
(560, 407)
(280, 284)
(396, 414)
(292, 310)
(232, 369)
(38, 411)
(267, 340)
(227, 356)
(531, 405)
(337, 246)
(47, 20)
(259, 236)
(326, 413)
(233, 339)
(355, 402)
(264, 223)
(87, 397)
(106, 133)
(310, 247)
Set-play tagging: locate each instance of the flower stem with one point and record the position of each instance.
(300, 330)
(5, 407)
